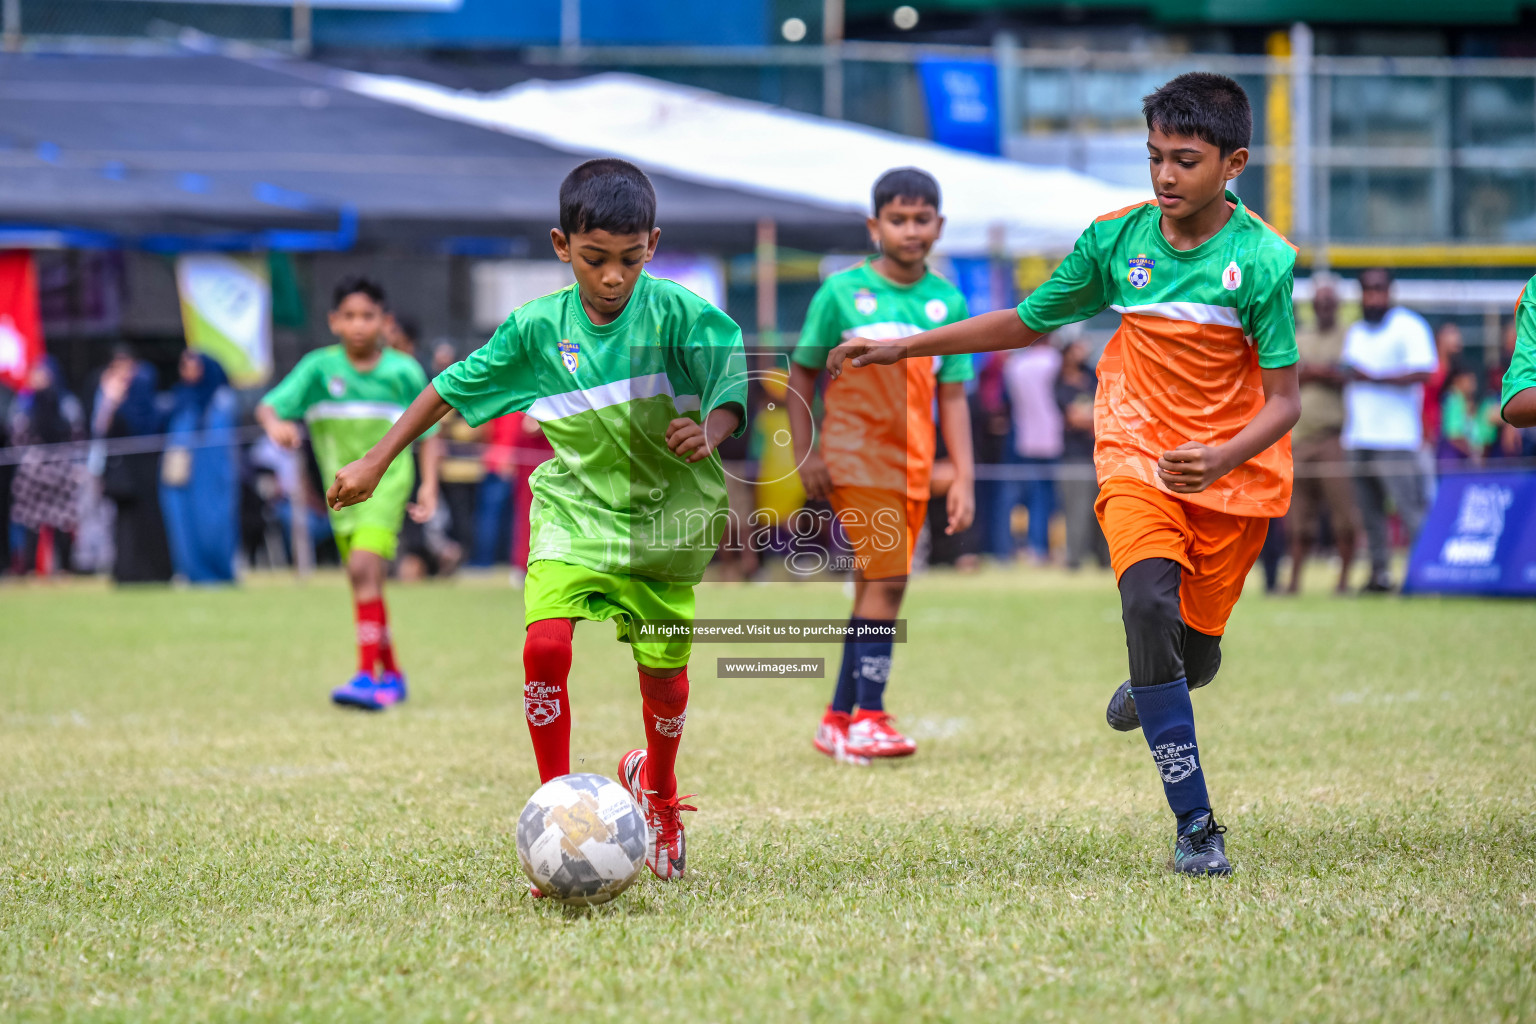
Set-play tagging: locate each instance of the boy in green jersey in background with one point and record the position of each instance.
(348, 395)
(635, 381)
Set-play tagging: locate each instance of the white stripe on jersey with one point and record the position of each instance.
(354, 411)
(605, 396)
(1191, 312)
(889, 330)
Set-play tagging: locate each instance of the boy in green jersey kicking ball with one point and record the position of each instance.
(635, 381)
(1198, 391)
(348, 395)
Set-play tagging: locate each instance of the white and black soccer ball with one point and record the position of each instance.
(581, 839)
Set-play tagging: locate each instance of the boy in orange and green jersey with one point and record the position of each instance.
(1197, 392)
(876, 451)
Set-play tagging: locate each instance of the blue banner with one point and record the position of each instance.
(984, 286)
(1480, 537)
(962, 104)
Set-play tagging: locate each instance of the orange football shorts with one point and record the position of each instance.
(1216, 549)
(882, 525)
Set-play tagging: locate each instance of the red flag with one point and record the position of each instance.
(21, 327)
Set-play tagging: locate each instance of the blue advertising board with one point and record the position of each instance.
(962, 104)
(1479, 538)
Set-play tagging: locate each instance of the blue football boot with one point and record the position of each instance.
(390, 689)
(361, 691)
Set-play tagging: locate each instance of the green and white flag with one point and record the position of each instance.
(226, 310)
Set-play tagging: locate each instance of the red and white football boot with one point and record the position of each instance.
(832, 738)
(872, 734)
(666, 848)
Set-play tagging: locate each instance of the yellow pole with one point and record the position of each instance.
(1277, 124)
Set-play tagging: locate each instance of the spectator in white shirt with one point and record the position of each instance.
(1388, 355)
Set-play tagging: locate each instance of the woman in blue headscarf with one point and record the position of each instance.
(199, 475)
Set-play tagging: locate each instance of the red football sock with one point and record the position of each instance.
(547, 665)
(386, 642)
(664, 702)
(370, 632)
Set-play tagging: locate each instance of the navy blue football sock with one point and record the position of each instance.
(846, 695)
(872, 666)
(1168, 723)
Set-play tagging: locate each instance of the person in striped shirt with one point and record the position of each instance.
(1198, 391)
(348, 395)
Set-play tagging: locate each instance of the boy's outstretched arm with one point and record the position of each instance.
(1192, 466)
(955, 424)
(989, 332)
(355, 482)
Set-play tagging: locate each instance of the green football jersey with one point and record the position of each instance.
(878, 429)
(614, 498)
(347, 411)
(1522, 365)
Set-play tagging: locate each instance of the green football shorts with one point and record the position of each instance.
(381, 540)
(560, 590)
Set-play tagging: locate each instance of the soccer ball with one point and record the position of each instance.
(581, 839)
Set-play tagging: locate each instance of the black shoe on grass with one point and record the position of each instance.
(1200, 849)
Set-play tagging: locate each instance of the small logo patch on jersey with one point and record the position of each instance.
(865, 302)
(336, 387)
(1232, 277)
(1141, 271)
(937, 310)
(570, 354)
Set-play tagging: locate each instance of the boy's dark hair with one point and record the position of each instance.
(1211, 108)
(356, 284)
(607, 195)
(905, 183)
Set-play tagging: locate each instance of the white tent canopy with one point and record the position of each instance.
(990, 204)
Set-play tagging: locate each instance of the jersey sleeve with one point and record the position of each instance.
(957, 369)
(494, 380)
(717, 364)
(1522, 366)
(295, 393)
(1075, 291)
(1270, 320)
(822, 330)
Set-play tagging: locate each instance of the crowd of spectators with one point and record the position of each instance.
(1388, 404)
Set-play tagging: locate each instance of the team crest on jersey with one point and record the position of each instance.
(1141, 271)
(865, 302)
(336, 387)
(1232, 277)
(937, 310)
(570, 355)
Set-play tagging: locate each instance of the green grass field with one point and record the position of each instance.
(189, 831)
